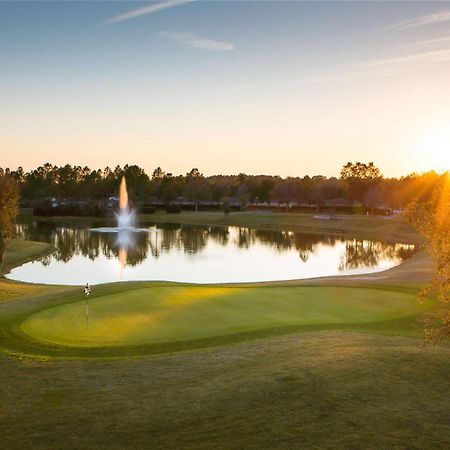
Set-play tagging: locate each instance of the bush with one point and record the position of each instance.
(93, 210)
(69, 209)
(46, 209)
(148, 209)
(173, 209)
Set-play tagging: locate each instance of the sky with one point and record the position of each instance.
(260, 87)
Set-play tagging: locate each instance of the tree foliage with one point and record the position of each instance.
(432, 219)
(359, 179)
(9, 203)
(360, 170)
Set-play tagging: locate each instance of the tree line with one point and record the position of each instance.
(359, 183)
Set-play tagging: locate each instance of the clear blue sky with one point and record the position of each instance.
(275, 87)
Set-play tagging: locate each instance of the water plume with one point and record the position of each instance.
(125, 217)
(123, 195)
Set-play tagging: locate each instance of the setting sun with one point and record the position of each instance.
(433, 148)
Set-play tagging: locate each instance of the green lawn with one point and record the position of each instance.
(310, 364)
(321, 390)
(167, 314)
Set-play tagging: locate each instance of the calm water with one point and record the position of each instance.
(197, 254)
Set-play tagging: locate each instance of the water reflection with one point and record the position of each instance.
(198, 254)
(368, 253)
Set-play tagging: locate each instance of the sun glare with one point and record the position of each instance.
(433, 150)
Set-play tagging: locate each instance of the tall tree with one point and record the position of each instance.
(359, 178)
(138, 181)
(286, 191)
(262, 188)
(195, 188)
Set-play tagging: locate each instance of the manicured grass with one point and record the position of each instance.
(167, 314)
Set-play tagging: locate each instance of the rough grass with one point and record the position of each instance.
(12, 290)
(323, 390)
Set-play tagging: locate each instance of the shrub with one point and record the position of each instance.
(173, 209)
(148, 209)
(46, 209)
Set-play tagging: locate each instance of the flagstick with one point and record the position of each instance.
(87, 312)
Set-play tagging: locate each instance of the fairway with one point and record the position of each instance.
(155, 315)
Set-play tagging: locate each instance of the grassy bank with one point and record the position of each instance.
(18, 252)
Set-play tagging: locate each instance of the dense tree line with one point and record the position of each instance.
(359, 183)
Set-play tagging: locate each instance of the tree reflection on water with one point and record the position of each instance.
(132, 248)
(363, 253)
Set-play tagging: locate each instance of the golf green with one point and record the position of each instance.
(164, 314)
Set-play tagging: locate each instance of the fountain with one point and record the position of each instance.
(125, 229)
(125, 216)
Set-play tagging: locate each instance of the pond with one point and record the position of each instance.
(196, 254)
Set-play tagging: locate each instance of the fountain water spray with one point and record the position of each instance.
(123, 194)
(125, 227)
(125, 216)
